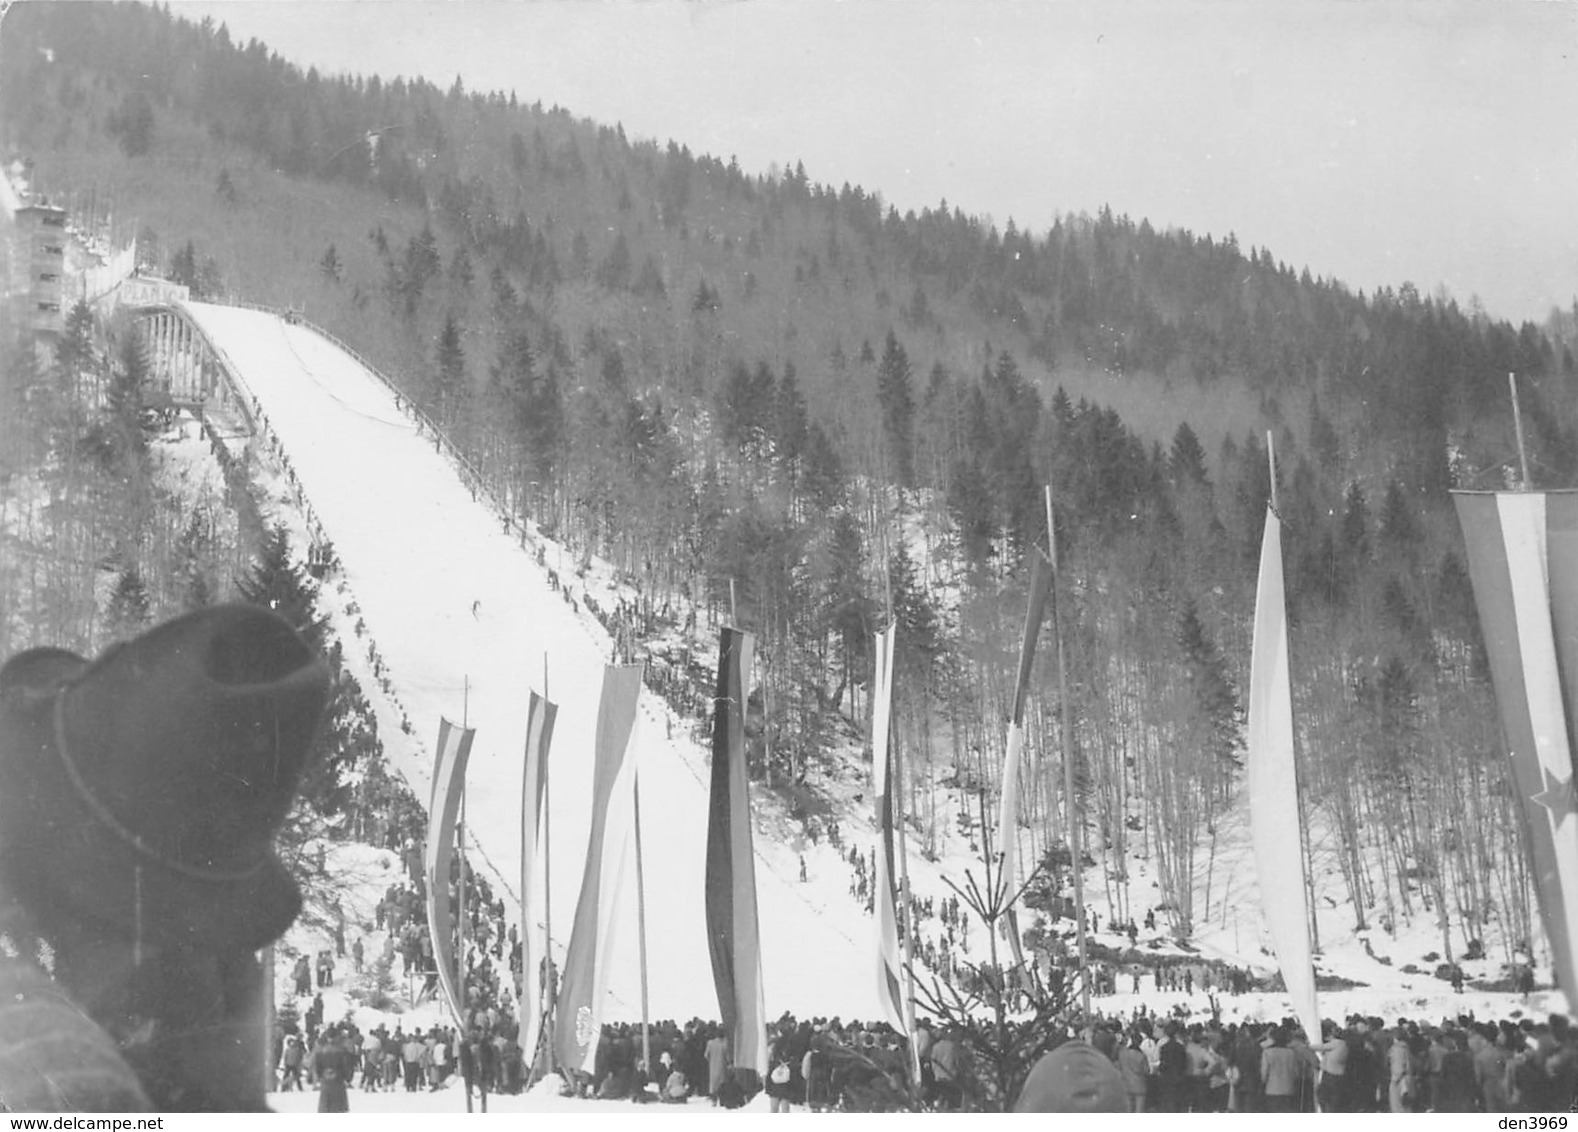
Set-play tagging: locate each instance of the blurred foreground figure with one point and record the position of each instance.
(1075, 1077)
(140, 795)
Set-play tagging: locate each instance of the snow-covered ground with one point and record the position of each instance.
(465, 621)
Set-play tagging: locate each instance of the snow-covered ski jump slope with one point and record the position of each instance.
(464, 618)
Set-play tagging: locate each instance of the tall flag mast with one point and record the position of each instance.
(895, 935)
(1072, 808)
(1008, 813)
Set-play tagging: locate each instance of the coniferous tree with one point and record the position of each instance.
(745, 406)
(1398, 526)
(790, 428)
(897, 403)
(920, 643)
(1187, 460)
(183, 267)
(849, 612)
(75, 360)
(1220, 729)
(133, 124)
(823, 474)
(278, 583)
(210, 280)
(193, 567)
(453, 385)
(130, 607)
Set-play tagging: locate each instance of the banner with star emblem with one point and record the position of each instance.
(1523, 562)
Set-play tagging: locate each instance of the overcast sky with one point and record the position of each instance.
(1377, 142)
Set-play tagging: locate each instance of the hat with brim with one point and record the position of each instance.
(143, 790)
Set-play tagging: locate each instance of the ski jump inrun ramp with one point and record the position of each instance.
(466, 622)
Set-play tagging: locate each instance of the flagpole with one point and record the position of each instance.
(904, 920)
(269, 1007)
(460, 957)
(896, 789)
(1312, 923)
(460, 837)
(641, 925)
(1075, 853)
(545, 1007)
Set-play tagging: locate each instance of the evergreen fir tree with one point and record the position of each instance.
(897, 403)
(823, 473)
(192, 567)
(920, 629)
(1219, 726)
(1399, 528)
(130, 608)
(789, 427)
(278, 583)
(453, 387)
(183, 266)
(848, 611)
(1187, 460)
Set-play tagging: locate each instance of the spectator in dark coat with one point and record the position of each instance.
(1456, 1090)
(478, 1066)
(333, 1063)
(1172, 1068)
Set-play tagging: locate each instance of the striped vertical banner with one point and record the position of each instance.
(608, 872)
(540, 715)
(449, 783)
(1272, 783)
(890, 969)
(733, 930)
(1521, 548)
(1008, 815)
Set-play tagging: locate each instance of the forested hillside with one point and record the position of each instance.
(749, 385)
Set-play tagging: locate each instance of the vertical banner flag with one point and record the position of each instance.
(733, 931)
(607, 875)
(449, 783)
(1273, 786)
(539, 735)
(1008, 816)
(890, 971)
(1521, 560)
